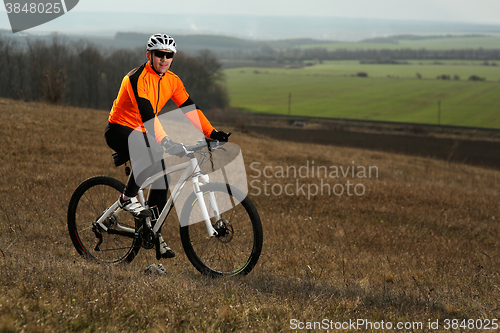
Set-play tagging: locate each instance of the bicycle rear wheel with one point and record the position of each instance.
(89, 201)
(237, 247)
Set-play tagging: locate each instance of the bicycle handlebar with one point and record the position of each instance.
(203, 143)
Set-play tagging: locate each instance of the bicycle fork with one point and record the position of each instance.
(203, 206)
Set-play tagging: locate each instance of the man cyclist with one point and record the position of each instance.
(143, 93)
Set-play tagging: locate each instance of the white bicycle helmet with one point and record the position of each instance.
(161, 42)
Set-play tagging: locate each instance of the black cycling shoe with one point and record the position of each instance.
(162, 250)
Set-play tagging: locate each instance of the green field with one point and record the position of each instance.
(389, 93)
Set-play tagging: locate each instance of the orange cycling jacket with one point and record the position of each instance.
(143, 93)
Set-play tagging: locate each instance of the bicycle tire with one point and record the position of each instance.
(87, 204)
(235, 253)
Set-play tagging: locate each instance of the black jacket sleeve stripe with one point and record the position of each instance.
(185, 106)
(145, 108)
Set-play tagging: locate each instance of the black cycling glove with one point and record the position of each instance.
(171, 147)
(219, 136)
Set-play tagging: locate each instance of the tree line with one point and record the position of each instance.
(81, 74)
(269, 54)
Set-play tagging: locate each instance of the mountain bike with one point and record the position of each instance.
(226, 242)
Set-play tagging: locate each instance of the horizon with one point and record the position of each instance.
(320, 19)
(251, 27)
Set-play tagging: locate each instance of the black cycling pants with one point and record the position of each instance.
(117, 139)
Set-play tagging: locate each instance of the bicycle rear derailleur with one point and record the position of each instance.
(98, 230)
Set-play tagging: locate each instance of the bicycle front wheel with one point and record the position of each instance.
(236, 247)
(89, 201)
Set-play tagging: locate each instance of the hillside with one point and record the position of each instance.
(227, 45)
(416, 241)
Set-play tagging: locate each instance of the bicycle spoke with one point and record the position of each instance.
(236, 249)
(91, 199)
(89, 227)
(119, 248)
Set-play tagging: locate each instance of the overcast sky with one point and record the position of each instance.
(477, 11)
(205, 21)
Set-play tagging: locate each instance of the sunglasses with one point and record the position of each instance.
(160, 54)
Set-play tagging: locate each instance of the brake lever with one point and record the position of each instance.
(212, 148)
(209, 143)
(184, 153)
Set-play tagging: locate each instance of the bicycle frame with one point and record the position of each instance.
(193, 171)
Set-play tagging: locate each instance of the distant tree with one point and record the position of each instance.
(54, 76)
(81, 74)
(203, 77)
(476, 78)
(48, 69)
(444, 77)
(91, 66)
(117, 64)
(11, 73)
(213, 67)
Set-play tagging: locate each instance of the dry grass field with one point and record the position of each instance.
(420, 244)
